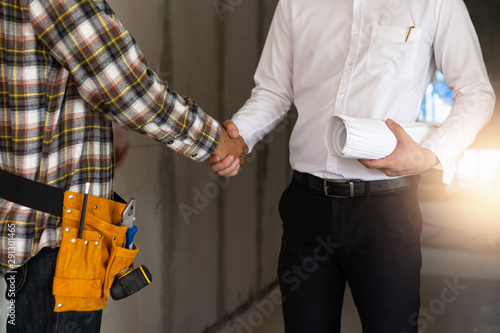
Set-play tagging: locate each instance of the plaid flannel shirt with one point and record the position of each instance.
(69, 68)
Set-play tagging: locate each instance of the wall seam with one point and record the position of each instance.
(167, 208)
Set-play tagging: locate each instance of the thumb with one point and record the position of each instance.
(398, 131)
(232, 129)
(213, 159)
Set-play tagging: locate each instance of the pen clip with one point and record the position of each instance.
(409, 32)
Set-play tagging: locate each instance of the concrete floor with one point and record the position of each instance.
(460, 247)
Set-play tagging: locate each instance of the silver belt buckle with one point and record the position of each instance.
(342, 181)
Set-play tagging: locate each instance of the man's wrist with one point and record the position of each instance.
(221, 142)
(431, 158)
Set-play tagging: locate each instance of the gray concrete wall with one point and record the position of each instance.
(214, 259)
(211, 243)
(139, 178)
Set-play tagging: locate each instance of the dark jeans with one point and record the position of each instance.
(34, 302)
(371, 243)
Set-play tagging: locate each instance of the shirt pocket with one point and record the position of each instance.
(392, 52)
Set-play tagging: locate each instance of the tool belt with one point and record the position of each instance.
(86, 267)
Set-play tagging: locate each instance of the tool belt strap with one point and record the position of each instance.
(32, 194)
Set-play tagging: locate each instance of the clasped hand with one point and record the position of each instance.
(408, 157)
(230, 152)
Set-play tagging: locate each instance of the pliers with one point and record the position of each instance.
(128, 219)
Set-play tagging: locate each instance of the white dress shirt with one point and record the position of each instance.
(359, 58)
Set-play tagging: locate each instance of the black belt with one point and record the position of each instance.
(349, 188)
(32, 194)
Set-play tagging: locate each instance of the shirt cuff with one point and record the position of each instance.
(447, 153)
(246, 132)
(197, 142)
(206, 142)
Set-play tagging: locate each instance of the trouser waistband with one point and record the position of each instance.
(349, 188)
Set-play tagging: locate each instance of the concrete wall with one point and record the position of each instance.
(214, 259)
(210, 243)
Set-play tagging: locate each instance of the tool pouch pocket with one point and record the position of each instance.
(121, 258)
(86, 266)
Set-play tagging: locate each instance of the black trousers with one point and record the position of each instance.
(371, 243)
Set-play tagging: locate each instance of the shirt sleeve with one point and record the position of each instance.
(112, 75)
(273, 93)
(458, 56)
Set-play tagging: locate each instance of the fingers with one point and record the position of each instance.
(213, 159)
(407, 158)
(366, 163)
(398, 130)
(223, 164)
(230, 152)
(228, 167)
(231, 129)
(385, 162)
(374, 164)
(230, 172)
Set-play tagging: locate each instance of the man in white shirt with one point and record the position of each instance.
(358, 221)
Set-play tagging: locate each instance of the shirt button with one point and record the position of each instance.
(355, 29)
(349, 63)
(342, 94)
(170, 142)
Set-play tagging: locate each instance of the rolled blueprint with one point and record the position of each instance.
(363, 138)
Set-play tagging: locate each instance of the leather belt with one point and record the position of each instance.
(349, 188)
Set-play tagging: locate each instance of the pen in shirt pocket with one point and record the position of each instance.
(409, 33)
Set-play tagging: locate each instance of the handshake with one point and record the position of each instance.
(230, 152)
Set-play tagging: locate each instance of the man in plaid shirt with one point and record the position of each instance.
(68, 69)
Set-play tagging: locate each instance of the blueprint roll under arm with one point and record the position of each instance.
(363, 138)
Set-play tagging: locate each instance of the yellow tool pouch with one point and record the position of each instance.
(86, 267)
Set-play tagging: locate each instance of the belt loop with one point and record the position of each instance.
(368, 193)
